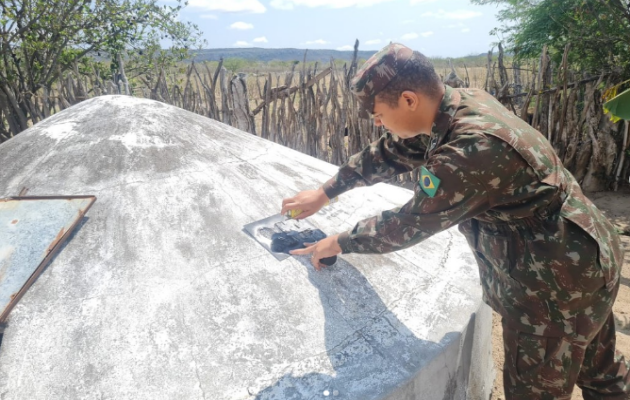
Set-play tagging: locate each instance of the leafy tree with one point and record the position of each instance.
(235, 64)
(41, 39)
(598, 30)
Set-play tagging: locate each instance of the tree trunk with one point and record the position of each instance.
(15, 113)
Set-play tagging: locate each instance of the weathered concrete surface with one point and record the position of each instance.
(161, 295)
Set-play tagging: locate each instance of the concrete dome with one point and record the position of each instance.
(160, 294)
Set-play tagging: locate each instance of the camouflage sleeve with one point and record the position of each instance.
(461, 195)
(382, 160)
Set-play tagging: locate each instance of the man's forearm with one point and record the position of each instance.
(334, 187)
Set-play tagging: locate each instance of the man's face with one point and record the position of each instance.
(401, 120)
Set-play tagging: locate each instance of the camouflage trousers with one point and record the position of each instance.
(548, 368)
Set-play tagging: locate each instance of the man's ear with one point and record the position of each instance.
(410, 99)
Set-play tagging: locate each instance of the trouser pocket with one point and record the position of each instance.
(538, 364)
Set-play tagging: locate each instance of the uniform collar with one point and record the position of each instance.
(443, 119)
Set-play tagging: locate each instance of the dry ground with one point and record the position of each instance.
(616, 205)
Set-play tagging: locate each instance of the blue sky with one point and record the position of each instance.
(446, 28)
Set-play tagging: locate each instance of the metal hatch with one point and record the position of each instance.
(32, 230)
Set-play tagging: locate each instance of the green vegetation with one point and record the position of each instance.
(278, 55)
(235, 65)
(617, 105)
(479, 60)
(42, 39)
(597, 30)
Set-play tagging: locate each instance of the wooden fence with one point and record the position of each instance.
(311, 109)
(567, 109)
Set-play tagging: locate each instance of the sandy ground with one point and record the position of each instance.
(616, 205)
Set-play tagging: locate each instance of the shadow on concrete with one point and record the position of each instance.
(379, 357)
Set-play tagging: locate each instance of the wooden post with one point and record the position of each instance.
(211, 90)
(588, 122)
(545, 110)
(226, 112)
(565, 99)
(353, 65)
(242, 117)
(622, 159)
(185, 101)
(504, 83)
(487, 85)
(539, 85)
(518, 85)
(570, 128)
(274, 106)
(265, 117)
(339, 155)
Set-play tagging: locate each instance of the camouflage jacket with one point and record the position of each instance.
(543, 249)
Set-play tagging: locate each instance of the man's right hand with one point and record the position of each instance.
(309, 201)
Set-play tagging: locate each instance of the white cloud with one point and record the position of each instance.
(261, 39)
(241, 26)
(318, 41)
(409, 36)
(375, 41)
(209, 16)
(253, 6)
(465, 30)
(426, 34)
(412, 2)
(282, 4)
(345, 48)
(241, 43)
(290, 4)
(457, 14)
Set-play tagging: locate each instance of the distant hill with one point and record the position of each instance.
(259, 54)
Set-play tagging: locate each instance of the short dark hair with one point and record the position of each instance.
(417, 75)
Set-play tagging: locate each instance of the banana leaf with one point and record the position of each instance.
(619, 106)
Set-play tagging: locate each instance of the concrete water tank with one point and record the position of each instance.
(160, 294)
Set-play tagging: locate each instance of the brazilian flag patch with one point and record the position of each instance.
(428, 182)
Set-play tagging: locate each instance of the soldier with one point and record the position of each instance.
(549, 261)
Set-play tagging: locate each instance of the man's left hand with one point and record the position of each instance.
(326, 247)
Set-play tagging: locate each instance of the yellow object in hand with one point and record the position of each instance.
(294, 213)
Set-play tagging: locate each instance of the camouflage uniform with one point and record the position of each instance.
(549, 261)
